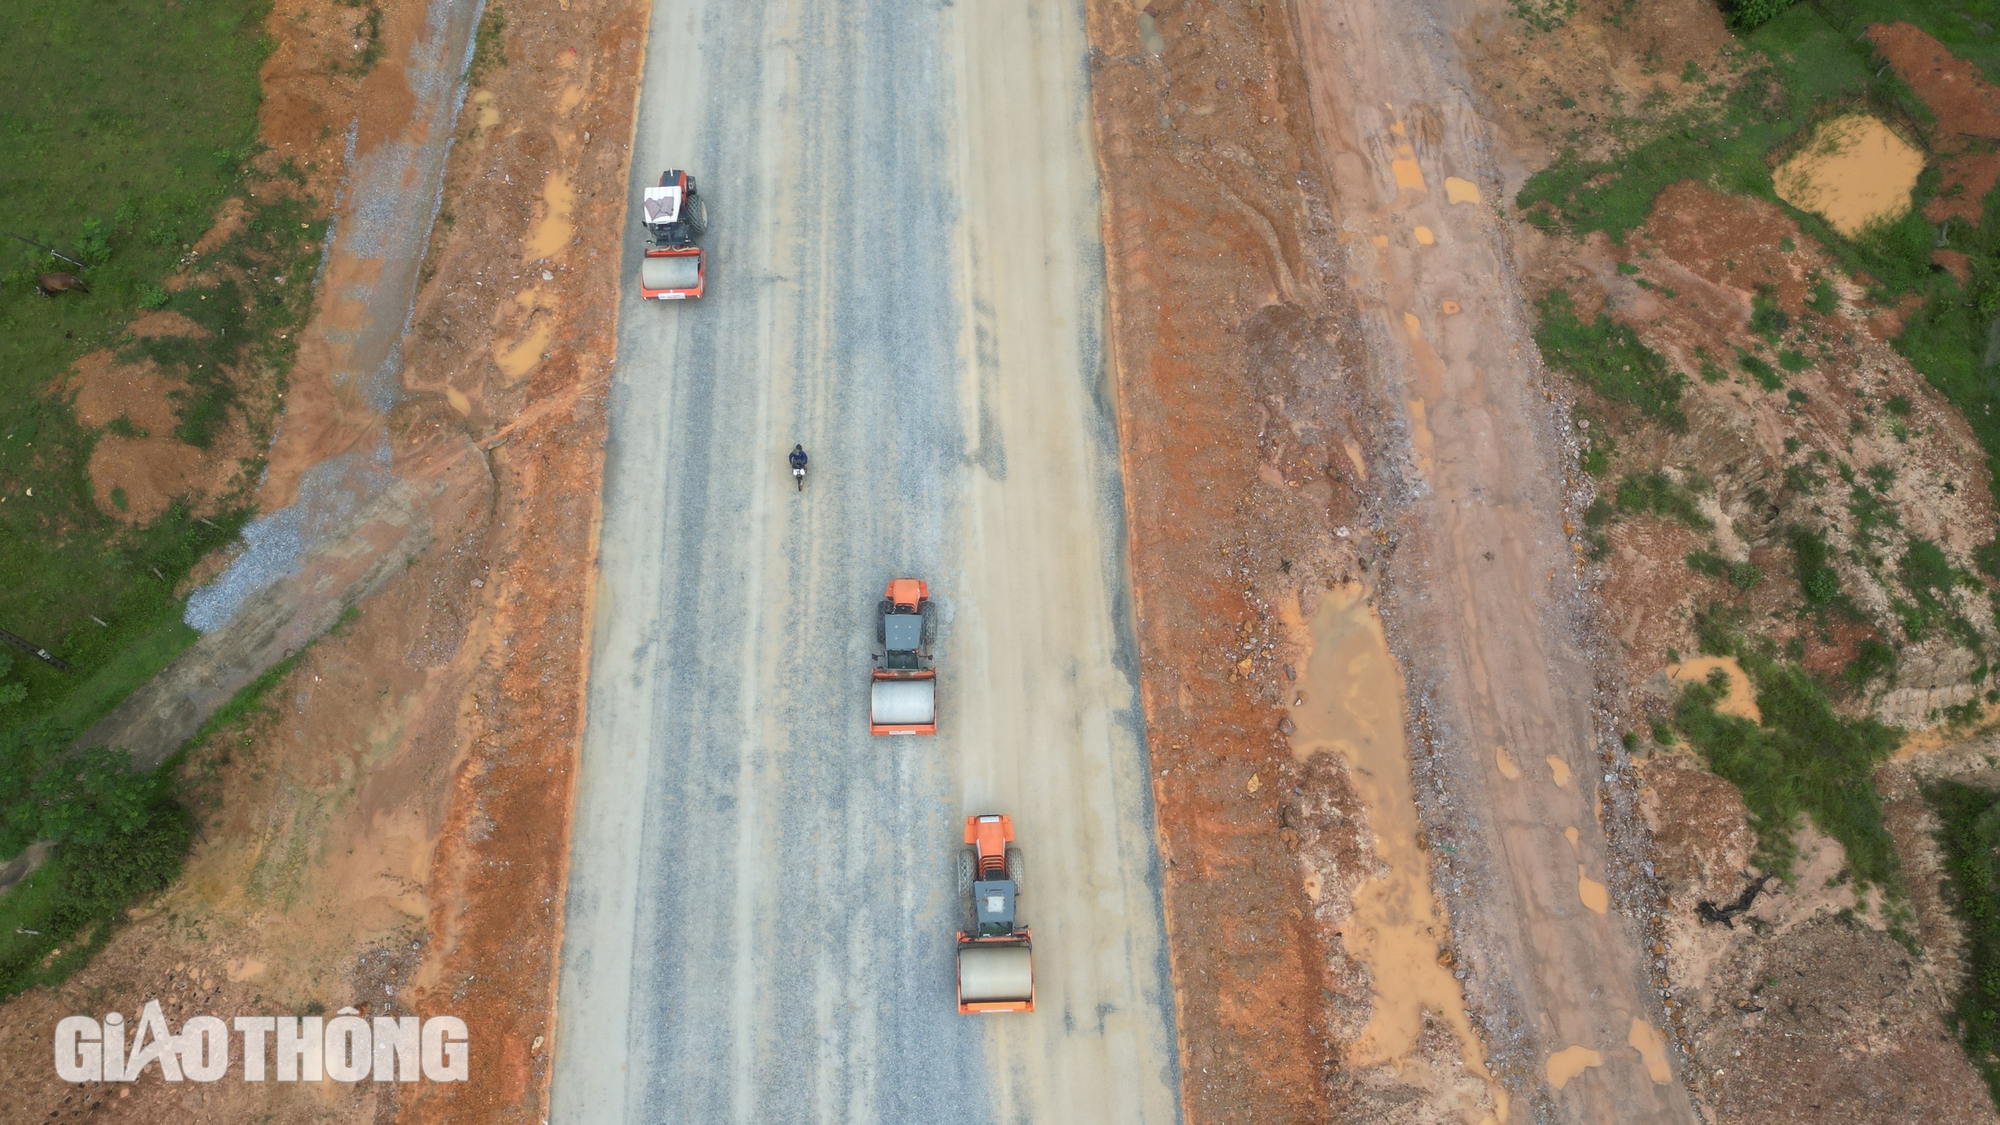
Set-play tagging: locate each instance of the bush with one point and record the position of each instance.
(1871, 659)
(1743, 575)
(1970, 839)
(1746, 14)
(1655, 493)
(1817, 578)
(1803, 758)
(1607, 356)
(1766, 376)
(117, 836)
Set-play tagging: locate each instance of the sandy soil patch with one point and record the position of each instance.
(107, 390)
(1854, 171)
(1965, 103)
(1350, 702)
(139, 468)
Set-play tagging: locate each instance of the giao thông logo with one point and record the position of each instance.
(346, 1048)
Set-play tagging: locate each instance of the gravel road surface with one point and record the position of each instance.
(905, 275)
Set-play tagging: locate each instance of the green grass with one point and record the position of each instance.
(1609, 358)
(1655, 493)
(1812, 562)
(489, 50)
(127, 125)
(1802, 760)
(1970, 839)
(1743, 575)
(129, 122)
(1947, 338)
(125, 579)
(130, 666)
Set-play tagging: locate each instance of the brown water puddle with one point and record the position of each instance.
(1570, 1062)
(550, 238)
(1741, 700)
(1409, 177)
(1353, 706)
(1854, 171)
(1652, 1050)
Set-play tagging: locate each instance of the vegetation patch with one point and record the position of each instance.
(1803, 759)
(1818, 581)
(1607, 356)
(116, 835)
(488, 51)
(1802, 63)
(1743, 575)
(1656, 493)
(367, 40)
(1970, 839)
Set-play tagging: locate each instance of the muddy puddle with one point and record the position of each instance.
(1854, 171)
(1742, 698)
(1352, 705)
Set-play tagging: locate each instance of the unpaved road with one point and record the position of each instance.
(1486, 622)
(906, 276)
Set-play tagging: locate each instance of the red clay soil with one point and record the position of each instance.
(1967, 108)
(1244, 439)
(496, 887)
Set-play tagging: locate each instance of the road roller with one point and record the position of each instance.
(996, 961)
(902, 698)
(674, 215)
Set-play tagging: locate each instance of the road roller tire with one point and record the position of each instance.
(883, 609)
(1015, 868)
(968, 871)
(930, 621)
(698, 215)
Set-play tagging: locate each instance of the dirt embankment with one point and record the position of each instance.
(1249, 441)
(390, 833)
(1801, 999)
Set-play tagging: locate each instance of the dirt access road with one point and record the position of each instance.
(1489, 622)
(906, 275)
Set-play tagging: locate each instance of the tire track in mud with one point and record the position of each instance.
(1485, 607)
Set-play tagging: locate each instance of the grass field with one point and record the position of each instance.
(128, 123)
(1802, 760)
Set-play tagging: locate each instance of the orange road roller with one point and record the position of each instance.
(996, 961)
(903, 697)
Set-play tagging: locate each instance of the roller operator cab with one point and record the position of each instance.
(674, 215)
(996, 961)
(902, 697)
